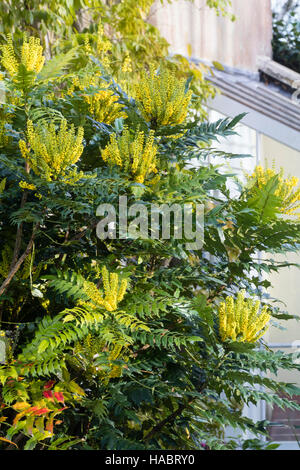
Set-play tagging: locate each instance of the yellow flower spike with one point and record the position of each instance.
(240, 320)
(113, 294)
(87, 46)
(239, 305)
(244, 321)
(286, 188)
(122, 290)
(258, 327)
(25, 185)
(127, 64)
(135, 153)
(162, 98)
(102, 103)
(103, 44)
(230, 331)
(115, 353)
(8, 59)
(31, 56)
(94, 294)
(260, 335)
(104, 106)
(49, 151)
(114, 291)
(253, 310)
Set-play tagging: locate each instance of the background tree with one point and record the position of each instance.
(286, 35)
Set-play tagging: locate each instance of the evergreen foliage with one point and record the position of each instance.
(122, 343)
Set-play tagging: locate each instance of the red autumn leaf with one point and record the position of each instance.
(49, 384)
(62, 409)
(10, 381)
(59, 397)
(49, 426)
(41, 411)
(48, 394)
(7, 440)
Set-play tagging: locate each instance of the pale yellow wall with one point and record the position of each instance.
(211, 37)
(286, 284)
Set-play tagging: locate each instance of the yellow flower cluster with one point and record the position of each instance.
(240, 320)
(136, 153)
(85, 81)
(87, 46)
(104, 106)
(51, 151)
(103, 103)
(103, 46)
(290, 198)
(114, 290)
(127, 64)
(25, 185)
(31, 56)
(162, 98)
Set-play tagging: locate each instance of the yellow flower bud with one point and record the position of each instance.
(162, 98)
(51, 151)
(239, 320)
(135, 153)
(289, 197)
(114, 290)
(31, 56)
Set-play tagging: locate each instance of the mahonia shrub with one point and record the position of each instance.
(129, 342)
